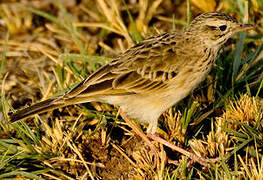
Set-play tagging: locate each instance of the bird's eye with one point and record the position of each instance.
(222, 28)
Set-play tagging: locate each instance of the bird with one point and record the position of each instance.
(154, 74)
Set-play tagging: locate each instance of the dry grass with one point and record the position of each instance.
(48, 47)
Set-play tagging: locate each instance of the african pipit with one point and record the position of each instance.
(153, 75)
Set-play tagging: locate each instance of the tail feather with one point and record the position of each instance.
(37, 108)
(47, 105)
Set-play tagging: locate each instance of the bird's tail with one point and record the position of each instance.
(37, 108)
(45, 106)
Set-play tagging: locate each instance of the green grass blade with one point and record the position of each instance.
(226, 170)
(70, 28)
(188, 12)
(238, 54)
(48, 17)
(259, 88)
(252, 56)
(61, 73)
(91, 59)
(3, 57)
(189, 114)
(137, 36)
(239, 147)
(85, 58)
(20, 173)
(235, 133)
(66, 26)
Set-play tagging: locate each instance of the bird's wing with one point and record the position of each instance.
(144, 68)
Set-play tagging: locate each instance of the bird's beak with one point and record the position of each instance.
(243, 27)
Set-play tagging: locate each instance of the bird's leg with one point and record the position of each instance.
(140, 133)
(202, 161)
(151, 134)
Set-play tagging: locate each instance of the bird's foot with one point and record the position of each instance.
(192, 156)
(156, 152)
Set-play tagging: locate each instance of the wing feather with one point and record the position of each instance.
(144, 68)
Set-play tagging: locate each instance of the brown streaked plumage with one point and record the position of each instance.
(153, 75)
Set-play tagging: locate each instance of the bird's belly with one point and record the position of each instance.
(142, 108)
(183, 86)
(146, 108)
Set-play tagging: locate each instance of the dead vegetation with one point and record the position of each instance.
(47, 47)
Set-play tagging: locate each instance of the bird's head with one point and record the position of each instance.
(215, 28)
